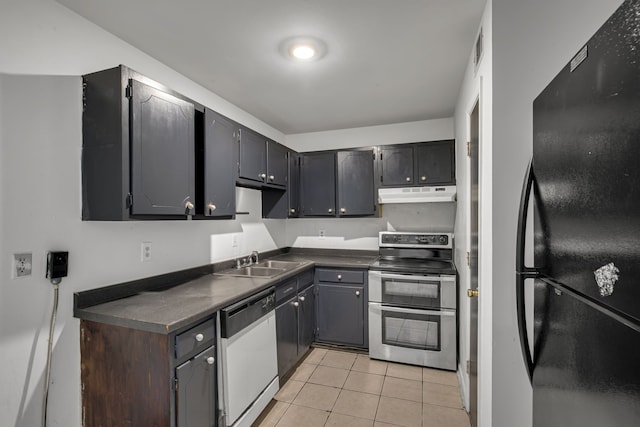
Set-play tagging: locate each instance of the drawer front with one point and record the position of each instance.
(194, 338)
(285, 290)
(340, 276)
(305, 279)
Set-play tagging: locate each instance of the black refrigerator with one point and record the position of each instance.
(584, 186)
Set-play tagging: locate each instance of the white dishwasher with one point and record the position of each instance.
(249, 357)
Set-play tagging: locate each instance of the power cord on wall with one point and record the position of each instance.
(52, 324)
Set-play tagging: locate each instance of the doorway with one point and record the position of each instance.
(473, 151)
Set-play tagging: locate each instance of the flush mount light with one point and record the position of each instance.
(303, 49)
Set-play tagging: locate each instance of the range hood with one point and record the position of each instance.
(417, 194)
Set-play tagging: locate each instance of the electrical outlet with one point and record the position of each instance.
(234, 240)
(22, 264)
(145, 254)
(321, 233)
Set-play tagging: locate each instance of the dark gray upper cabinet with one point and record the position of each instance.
(162, 149)
(318, 184)
(253, 156)
(137, 150)
(425, 163)
(435, 163)
(217, 166)
(262, 161)
(293, 188)
(396, 166)
(356, 195)
(277, 164)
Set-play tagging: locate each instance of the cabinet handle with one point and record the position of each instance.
(339, 276)
(408, 179)
(271, 177)
(330, 210)
(199, 337)
(293, 210)
(188, 206)
(211, 360)
(211, 207)
(357, 293)
(296, 303)
(262, 176)
(342, 210)
(301, 299)
(423, 178)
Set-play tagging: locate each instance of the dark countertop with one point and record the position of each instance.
(166, 310)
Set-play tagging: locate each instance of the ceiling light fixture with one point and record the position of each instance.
(303, 49)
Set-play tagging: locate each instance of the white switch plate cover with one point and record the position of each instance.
(145, 255)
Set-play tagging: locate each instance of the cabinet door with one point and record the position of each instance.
(220, 160)
(277, 164)
(318, 184)
(196, 394)
(435, 163)
(293, 186)
(253, 156)
(396, 166)
(162, 152)
(356, 195)
(306, 319)
(287, 334)
(341, 314)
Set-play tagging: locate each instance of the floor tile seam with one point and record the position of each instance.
(437, 383)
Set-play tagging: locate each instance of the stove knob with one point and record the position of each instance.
(443, 239)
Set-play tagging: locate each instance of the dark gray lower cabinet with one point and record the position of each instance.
(342, 307)
(287, 334)
(295, 320)
(306, 319)
(196, 394)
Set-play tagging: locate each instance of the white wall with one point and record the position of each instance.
(425, 130)
(476, 87)
(532, 41)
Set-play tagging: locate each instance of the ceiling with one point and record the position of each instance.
(387, 61)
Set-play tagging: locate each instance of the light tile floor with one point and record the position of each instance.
(339, 388)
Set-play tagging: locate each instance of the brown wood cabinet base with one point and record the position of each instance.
(125, 375)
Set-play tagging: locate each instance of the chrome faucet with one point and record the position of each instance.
(249, 260)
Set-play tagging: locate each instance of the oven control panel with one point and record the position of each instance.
(414, 240)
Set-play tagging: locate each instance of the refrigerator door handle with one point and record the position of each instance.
(523, 272)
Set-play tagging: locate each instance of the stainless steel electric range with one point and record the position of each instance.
(413, 299)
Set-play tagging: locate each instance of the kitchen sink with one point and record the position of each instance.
(287, 265)
(254, 271)
(268, 268)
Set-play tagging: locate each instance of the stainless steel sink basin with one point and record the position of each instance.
(254, 271)
(287, 265)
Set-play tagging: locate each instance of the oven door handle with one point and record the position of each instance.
(442, 312)
(414, 276)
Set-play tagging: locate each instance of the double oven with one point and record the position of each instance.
(413, 299)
